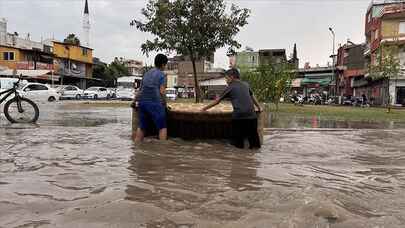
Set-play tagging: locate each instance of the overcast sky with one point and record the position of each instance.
(273, 24)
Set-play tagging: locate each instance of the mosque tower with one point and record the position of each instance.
(86, 26)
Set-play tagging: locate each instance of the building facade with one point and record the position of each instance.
(272, 56)
(317, 80)
(385, 25)
(250, 59)
(183, 67)
(247, 59)
(135, 67)
(72, 62)
(350, 68)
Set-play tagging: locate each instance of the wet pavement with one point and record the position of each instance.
(79, 168)
(286, 120)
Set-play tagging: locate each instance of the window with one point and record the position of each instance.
(103, 89)
(35, 87)
(402, 27)
(251, 59)
(84, 51)
(69, 88)
(9, 56)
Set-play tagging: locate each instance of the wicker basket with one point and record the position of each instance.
(186, 121)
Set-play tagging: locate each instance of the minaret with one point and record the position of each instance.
(295, 60)
(86, 26)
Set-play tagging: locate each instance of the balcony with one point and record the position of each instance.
(394, 10)
(373, 24)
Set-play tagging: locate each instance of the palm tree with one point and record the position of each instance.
(72, 39)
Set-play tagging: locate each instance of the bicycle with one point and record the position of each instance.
(19, 109)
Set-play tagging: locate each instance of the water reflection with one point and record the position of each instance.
(178, 174)
(95, 176)
(297, 121)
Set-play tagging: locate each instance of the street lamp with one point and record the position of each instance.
(333, 61)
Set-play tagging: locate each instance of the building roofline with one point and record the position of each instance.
(315, 69)
(26, 49)
(58, 42)
(272, 50)
(383, 3)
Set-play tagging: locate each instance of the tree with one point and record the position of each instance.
(270, 82)
(194, 28)
(72, 39)
(109, 73)
(117, 68)
(387, 68)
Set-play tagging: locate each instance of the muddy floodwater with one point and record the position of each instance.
(79, 168)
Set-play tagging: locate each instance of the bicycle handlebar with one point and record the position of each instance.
(18, 82)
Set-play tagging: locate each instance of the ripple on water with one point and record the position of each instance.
(298, 179)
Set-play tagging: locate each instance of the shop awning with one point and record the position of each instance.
(33, 74)
(296, 83)
(321, 81)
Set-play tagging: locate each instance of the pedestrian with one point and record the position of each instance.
(364, 99)
(244, 118)
(149, 99)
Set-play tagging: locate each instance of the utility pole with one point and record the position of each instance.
(333, 62)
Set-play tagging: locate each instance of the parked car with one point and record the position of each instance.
(96, 93)
(70, 92)
(112, 92)
(39, 92)
(171, 93)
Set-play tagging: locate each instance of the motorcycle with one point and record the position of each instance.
(297, 100)
(315, 100)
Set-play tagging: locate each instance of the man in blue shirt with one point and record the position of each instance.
(149, 100)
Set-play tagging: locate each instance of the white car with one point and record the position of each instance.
(72, 92)
(171, 94)
(125, 94)
(112, 92)
(39, 92)
(97, 93)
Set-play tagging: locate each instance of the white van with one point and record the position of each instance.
(126, 87)
(171, 94)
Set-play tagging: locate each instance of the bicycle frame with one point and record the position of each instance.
(9, 92)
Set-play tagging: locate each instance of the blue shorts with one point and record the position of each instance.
(154, 111)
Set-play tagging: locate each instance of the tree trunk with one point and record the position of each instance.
(388, 95)
(196, 85)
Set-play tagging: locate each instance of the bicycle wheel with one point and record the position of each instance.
(29, 112)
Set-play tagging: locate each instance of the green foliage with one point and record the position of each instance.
(72, 39)
(387, 68)
(194, 28)
(111, 71)
(340, 113)
(388, 65)
(269, 82)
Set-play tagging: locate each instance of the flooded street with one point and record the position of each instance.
(79, 168)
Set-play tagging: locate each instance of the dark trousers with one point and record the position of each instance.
(245, 128)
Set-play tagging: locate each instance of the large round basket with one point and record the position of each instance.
(188, 122)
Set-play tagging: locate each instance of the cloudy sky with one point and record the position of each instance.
(273, 24)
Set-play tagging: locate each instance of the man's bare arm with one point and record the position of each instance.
(257, 104)
(216, 102)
